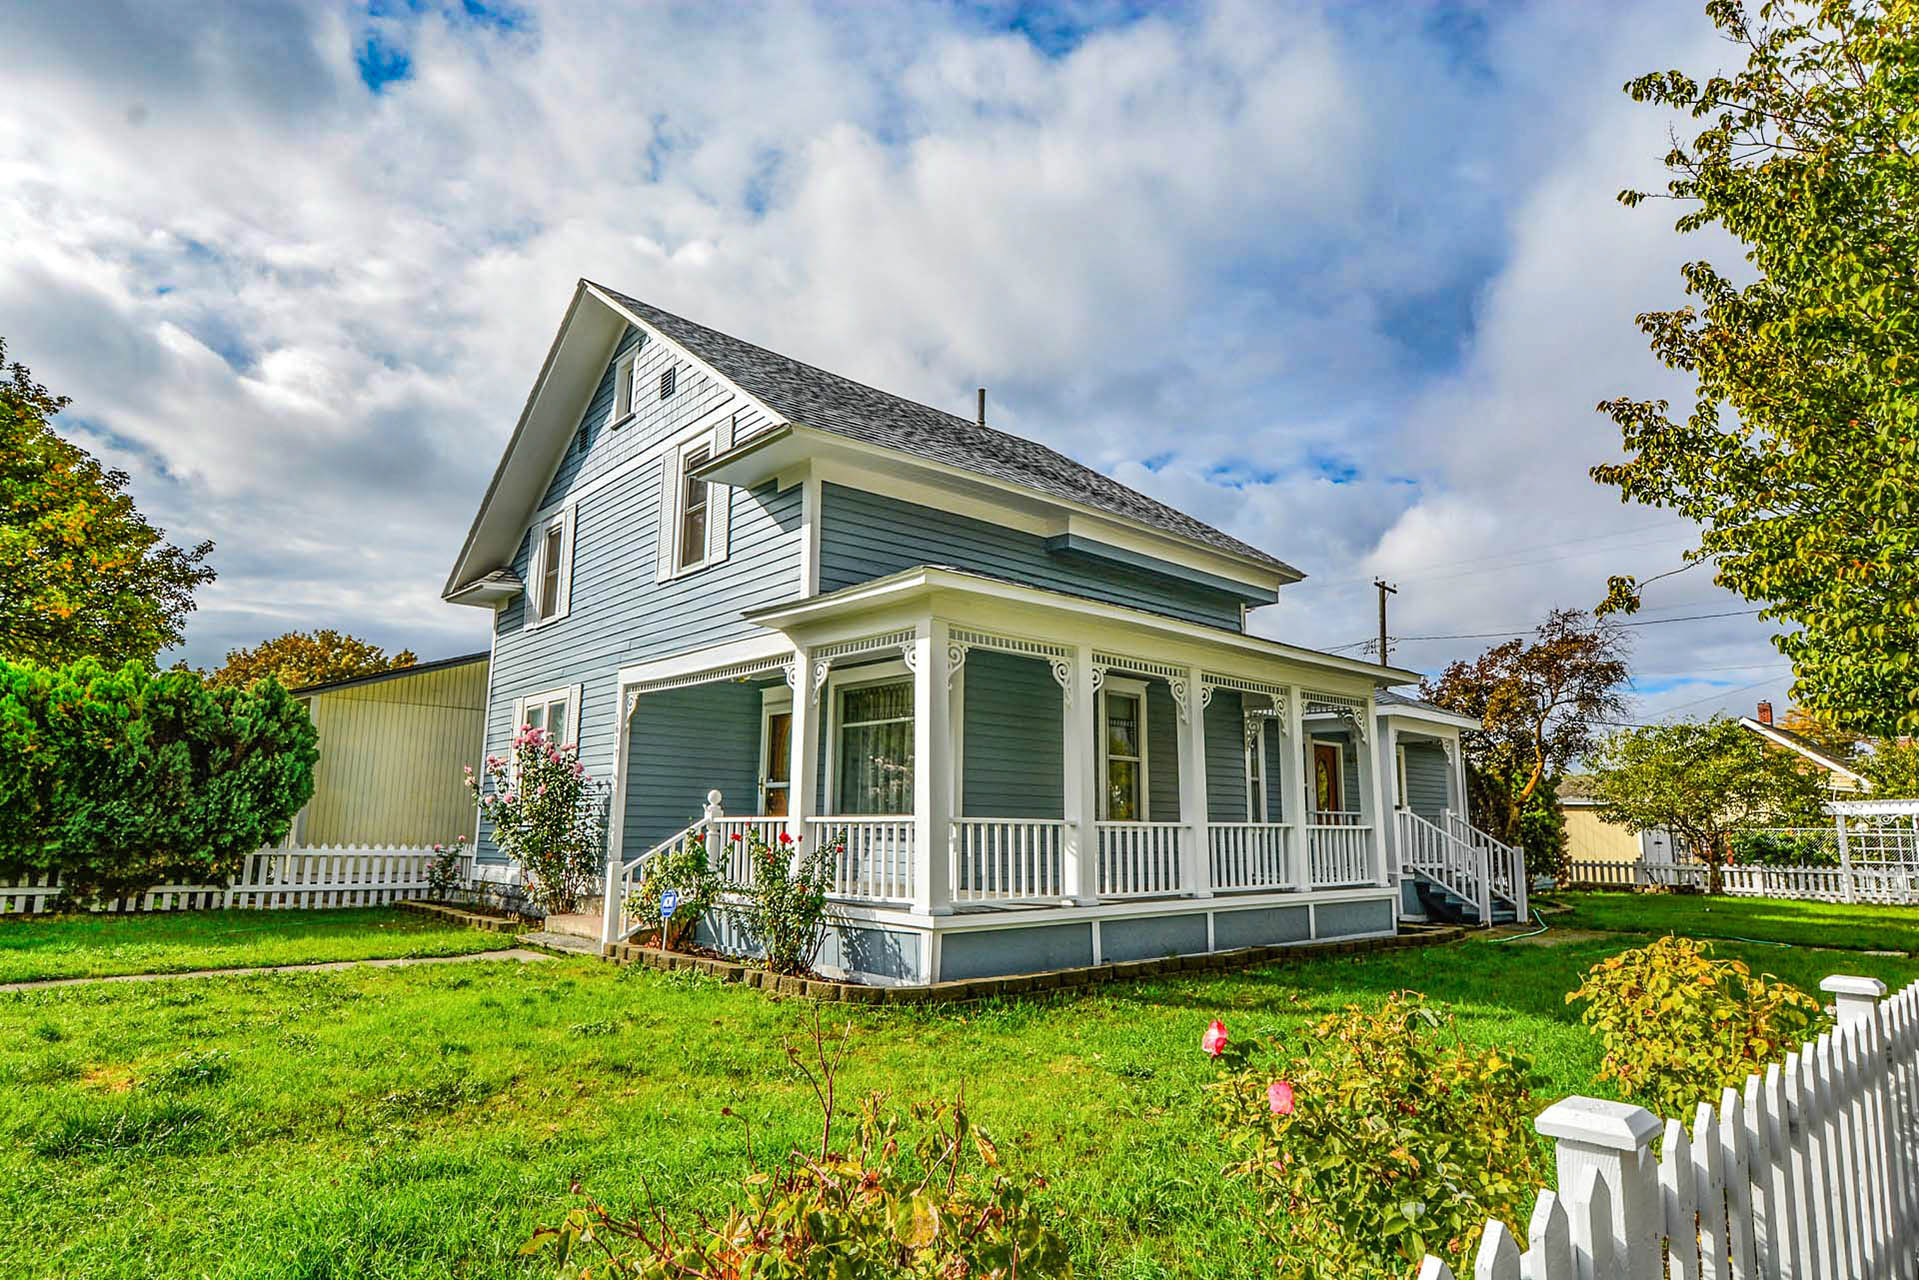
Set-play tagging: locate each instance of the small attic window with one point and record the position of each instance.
(626, 388)
(668, 382)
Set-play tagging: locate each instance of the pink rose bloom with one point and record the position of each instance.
(1279, 1098)
(507, 798)
(1214, 1041)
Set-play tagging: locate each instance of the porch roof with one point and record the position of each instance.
(925, 581)
(1417, 709)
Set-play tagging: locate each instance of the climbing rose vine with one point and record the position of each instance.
(546, 815)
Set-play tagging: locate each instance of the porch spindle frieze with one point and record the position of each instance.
(825, 655)
(1353, 710)
(712, 675)
(1058, 657)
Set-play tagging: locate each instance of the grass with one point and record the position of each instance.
(1856, 927)
(404, 1123)
(93, 946)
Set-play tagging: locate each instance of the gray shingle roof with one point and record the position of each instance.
(826, 401)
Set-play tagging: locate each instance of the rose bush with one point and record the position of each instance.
(546, 815)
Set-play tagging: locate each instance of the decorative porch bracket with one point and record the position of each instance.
(1058, 657)
(825, 655)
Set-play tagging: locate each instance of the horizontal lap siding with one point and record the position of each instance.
(1426, 788)
(1275, 772)
(1014, 741)
(618, 614)
(1225, 758)
(684, 743)
(1162, 754)
(865, 536)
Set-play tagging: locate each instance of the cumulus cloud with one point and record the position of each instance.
(1346, 283)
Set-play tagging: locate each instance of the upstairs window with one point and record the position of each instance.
(626, 387)
(550, 573)
(669, 381)
(695, 496)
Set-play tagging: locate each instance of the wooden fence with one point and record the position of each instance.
(273, 879)
(1885, 882)
(1811, 1172)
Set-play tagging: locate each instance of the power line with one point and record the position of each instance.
(1520, 631)
(1506, 560)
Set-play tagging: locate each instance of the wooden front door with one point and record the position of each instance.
(777, 768)
(1326, 777)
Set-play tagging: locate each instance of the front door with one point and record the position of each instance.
(1326, 777)
(776, 769)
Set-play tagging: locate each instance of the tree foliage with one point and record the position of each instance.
(119, 780)
(1893, 769)
(1536, 699)
(301, 658)
(1800, 455)
(1702, 780)
(82, 573)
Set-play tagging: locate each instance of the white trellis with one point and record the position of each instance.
(1810, 1172)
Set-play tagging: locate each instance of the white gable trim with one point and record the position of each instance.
(1825, 762)
(656, 335)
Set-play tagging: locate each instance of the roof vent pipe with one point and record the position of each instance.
(982, 406)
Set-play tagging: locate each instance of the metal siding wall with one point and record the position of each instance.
(1225, 758)
(865, 536)
(1426, 788)
(390, 756)
(618, 613)
(684, 743)
(1014, 740)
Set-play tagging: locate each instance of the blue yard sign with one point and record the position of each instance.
(669, 902)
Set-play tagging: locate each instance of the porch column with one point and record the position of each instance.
(1080, 802)
(1456, 767)
(1370, 792)
(932, 772)
(1197, 874)
(1295, 791)
(1388, 758)
(804, 749)
(613, 886)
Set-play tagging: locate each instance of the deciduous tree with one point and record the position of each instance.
(1536, 699)
(1799, 456)
(82, 572)
(301, 658)
(1702, 780)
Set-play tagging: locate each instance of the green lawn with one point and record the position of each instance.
(1859, 927)
(419, 1122)
(92, 946)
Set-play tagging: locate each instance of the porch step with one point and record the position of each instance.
(1442, 902)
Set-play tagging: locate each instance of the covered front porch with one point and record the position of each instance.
(981, 758)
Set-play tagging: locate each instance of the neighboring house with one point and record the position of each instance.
(1840, 778)
(1590, 838)
(1022, 695)
(392, 747)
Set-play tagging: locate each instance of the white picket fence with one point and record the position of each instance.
(273, 879)
(1896, 883)
(1811, 1172)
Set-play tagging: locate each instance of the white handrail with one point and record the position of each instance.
(1251, 855)
(1008, 859)
(871, 855)
(1139, 859)
(1338, 853)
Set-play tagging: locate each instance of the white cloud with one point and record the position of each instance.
(1346, 284)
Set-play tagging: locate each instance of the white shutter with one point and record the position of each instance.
(719, 501)
(564, 605)
(573, 715)
(669, 512)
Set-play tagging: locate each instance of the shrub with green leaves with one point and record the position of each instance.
(1784, 848)
(1679, 1025)
(546, 815)
(1383, 1137)
(684, 869)
(922, 1197)
(785, 906)
(120, 780)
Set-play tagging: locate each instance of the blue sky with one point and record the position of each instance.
(1345, 280)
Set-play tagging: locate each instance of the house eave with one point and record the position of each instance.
(487, 591)
(923, 582)
(1426, 715)
(1800, 749)
(785, 452)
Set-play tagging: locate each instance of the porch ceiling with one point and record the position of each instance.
(977, 600)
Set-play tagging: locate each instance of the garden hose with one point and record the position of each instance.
(1537, 919)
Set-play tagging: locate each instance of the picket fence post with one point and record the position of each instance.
(1612, 1142)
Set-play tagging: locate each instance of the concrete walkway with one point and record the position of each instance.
(522, 954)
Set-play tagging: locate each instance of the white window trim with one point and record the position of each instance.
(773, 701)
(1133, 688)
(536, 567)
(853, 677)
(1399, 776)
(1257, 789)
(626, 376)
(715, 438)
(1313, 742)
(569, 694)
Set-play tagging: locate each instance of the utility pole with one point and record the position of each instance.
(1384, 591)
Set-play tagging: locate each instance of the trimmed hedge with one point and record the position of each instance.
(120, 780)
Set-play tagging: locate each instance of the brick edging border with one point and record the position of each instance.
(459, 915)
(1055, 980)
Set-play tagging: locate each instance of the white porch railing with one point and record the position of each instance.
(1426, 849)
(871, 856)
(1139, 859)
(623, 879)
(1810, 1170)
(1339, 847)
(733, 851)
(1505, 864)
(1251, 855)
(1008, 859)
